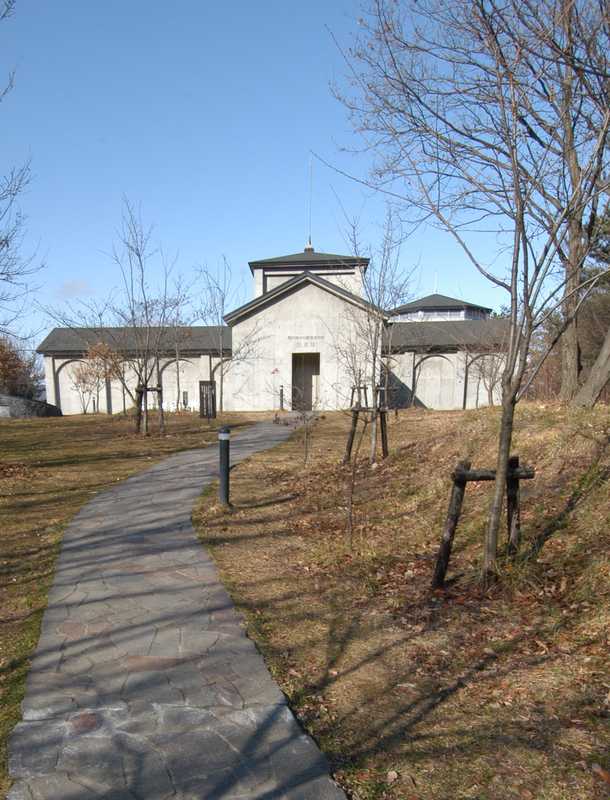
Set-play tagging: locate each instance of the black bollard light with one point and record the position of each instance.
(224, 444)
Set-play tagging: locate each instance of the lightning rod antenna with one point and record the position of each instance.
(309, 247)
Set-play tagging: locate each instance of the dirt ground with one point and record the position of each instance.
(428, 695)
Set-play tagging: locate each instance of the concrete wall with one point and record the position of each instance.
(63, 390)
(440, 379)
(309, 320)
(19, 407)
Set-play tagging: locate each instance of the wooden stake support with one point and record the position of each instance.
(352, 435)
(461, 475)
(453, 515)
(383, 424)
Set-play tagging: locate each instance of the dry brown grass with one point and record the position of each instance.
(414, 694)
(48, 469)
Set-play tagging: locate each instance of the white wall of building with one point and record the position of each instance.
(440, 379)
(192, 370)
(347, 278)
(308, 320)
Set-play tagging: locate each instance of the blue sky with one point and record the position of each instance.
(203, 114)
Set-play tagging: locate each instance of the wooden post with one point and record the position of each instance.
(383, 423)
(513, 512)
(453, 514)
(352, 435)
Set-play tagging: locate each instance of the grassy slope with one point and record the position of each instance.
(48, 469)
(420, 695)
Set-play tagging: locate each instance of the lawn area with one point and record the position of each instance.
(424, 695)
(48, 469)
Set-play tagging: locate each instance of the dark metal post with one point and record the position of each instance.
(224, 444)
(282, 397)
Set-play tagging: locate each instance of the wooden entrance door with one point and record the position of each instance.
(207, 399)
(305, 375)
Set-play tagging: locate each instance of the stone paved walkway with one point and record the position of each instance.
(144, 685)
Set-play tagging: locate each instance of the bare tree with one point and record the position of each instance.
(100, 364)
(599, 376)
(16, 271)
(136, 320)
(460, 102)
(216, 294)
(598, 316)
(142, 308)
(180, 317)
(350, 483)
(367, 338)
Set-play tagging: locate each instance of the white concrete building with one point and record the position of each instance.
(305, 340)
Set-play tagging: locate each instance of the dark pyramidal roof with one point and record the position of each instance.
(191, 339)
(437, 302)
(309, 258)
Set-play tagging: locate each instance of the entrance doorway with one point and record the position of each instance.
(207, 399)
(305, 378)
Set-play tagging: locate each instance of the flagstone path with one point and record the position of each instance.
(144, 685)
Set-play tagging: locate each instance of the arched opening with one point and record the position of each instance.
(434, 381)
(180, 391)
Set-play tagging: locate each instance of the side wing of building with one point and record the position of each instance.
(185, 358)
(446, 364)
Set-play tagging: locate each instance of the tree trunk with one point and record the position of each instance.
(599, 376)
(221, 389)
(373, 453)
(139, 399)
(177, 380)
(160, 399)
(570, 347)
(570, 359)
(495, 511)
(145, 411)
(161, 412)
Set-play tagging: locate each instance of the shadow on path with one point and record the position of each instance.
(144, 684)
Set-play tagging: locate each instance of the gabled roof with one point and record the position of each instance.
(434, 302)
(456, 334)
(191, 339)
(291, 285)
(310, 259)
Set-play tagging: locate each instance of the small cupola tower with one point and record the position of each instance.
(344, 271)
